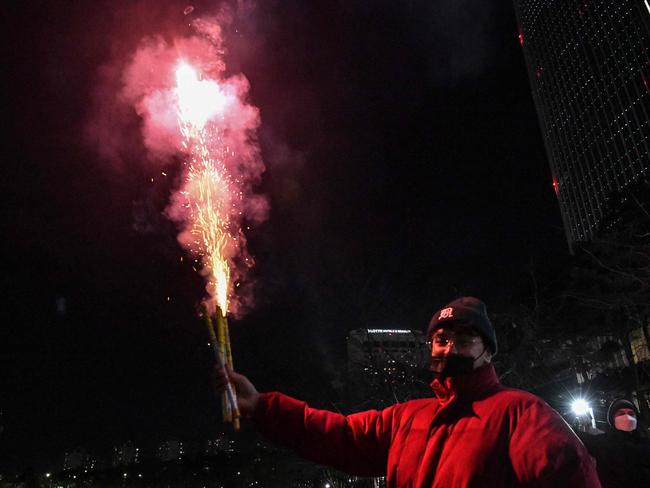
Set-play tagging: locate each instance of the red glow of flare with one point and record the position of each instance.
(521, 38)
(556, 186)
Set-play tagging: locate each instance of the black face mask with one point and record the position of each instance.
(451, 365)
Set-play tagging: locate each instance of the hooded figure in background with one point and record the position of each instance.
(622, 455)
(472, 432)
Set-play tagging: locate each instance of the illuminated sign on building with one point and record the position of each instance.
(389, 331)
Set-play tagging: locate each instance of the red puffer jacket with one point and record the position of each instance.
(476, 433)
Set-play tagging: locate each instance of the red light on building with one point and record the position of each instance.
(556, 186)
(521, 38)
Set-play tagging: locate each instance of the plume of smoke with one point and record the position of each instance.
(143, 83)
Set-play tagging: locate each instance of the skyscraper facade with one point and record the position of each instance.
(588, 62)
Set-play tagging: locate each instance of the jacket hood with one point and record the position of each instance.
(617, 404)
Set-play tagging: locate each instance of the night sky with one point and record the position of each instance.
(405, 167)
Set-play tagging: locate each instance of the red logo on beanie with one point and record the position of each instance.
(446, 313)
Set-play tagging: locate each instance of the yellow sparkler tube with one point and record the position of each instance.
(228, 398)
(228, 349)
(222, 320)
(226, 408)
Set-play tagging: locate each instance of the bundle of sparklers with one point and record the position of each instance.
(208, 199)
(220, 344)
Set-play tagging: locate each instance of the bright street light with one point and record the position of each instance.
(583, 411)
(580, 407)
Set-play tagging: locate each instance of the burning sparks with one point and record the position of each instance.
(189, 108)
(208, 188)
(193, 110)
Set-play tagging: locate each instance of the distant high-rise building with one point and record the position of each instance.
(171, 451)
(77, 459)
(221, 445)
(125, 454)
(385, 364)
(588, 63)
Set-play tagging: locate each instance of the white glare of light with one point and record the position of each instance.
(198, 100)
(327, 485)
(647, 5)
(47, 475)
(580, 406)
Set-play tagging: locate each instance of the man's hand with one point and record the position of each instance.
(247, 395)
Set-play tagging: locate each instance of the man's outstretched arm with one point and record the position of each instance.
(357, 444)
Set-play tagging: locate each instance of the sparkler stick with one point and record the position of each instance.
(226, 334)
(232, 413)
(229, 398)
(230, 410)
(221, 342)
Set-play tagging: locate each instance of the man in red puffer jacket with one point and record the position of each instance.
(474, 433)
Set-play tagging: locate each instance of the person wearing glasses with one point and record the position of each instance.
(473, 432)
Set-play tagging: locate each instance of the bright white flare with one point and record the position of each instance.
(198, 100)
(580, 407)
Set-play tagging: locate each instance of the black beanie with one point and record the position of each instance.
(468, 311)
(618, 404)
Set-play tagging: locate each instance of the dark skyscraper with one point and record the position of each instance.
(589, 67)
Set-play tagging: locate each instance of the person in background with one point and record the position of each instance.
(622, 455)
(472, 432)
